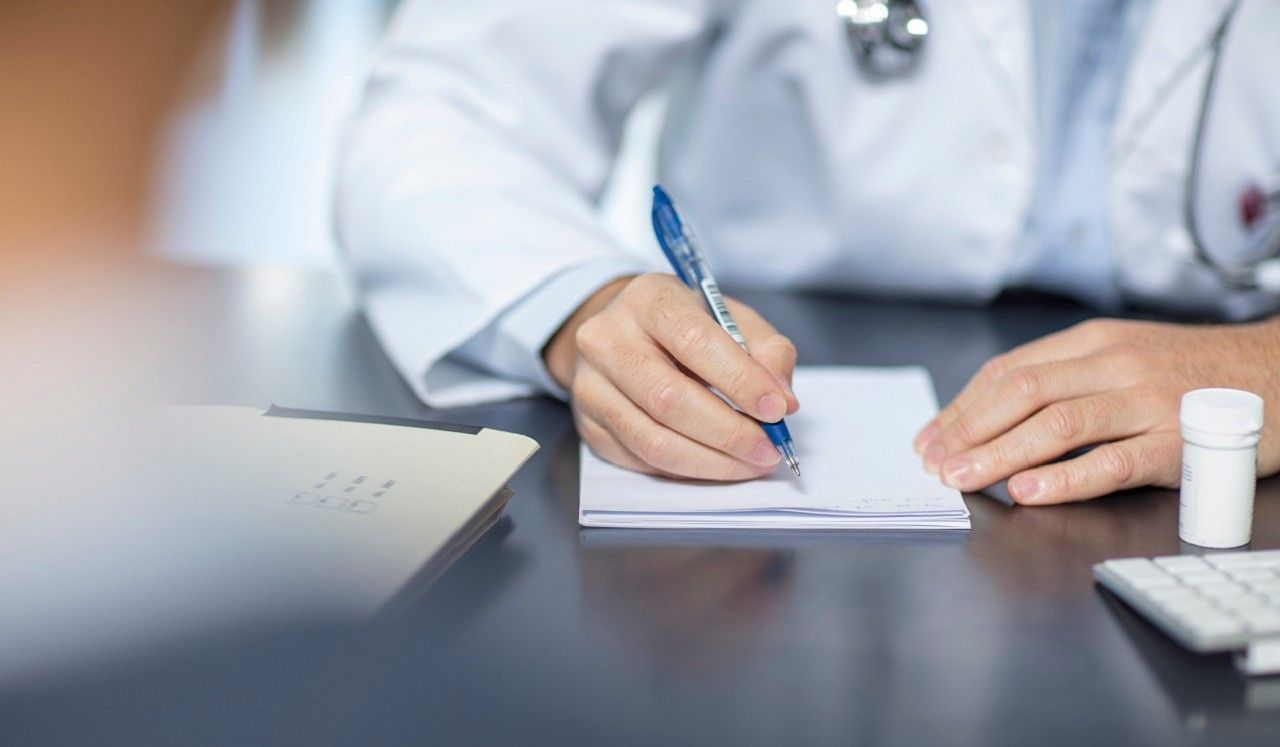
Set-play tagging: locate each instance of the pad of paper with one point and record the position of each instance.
(853, 437)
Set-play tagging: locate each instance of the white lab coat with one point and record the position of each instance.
(470, 174)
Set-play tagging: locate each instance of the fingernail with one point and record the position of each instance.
(772, 408)
(1024, 488)
(926, 435)
(766, 454)
(933, 457)
(956, 471)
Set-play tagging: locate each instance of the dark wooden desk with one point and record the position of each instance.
(547, 632)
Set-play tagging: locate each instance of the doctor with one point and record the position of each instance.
(1117, 151)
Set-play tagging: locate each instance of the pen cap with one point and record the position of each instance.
(1222, 412)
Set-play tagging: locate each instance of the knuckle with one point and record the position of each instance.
(582, 390)
(1005, 452)
(645, 292)
(995, 367)
(965, 431)
(741, 437)
(664, 398)
(642, 284)
(1063, 423)
(1119, 464)
(1130, 360)
(582, 424)
(782, 347)
(634, 291)
(1027, 382)
(654, 446)
(1099, 331)
(577, 392)
(691, 333)
(590, 337)
(1065, 481)
(739, 380)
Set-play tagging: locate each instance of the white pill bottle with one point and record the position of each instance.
(1220, 432)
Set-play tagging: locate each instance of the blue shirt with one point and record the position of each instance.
(1082, 52)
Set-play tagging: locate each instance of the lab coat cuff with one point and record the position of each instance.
(531, 322)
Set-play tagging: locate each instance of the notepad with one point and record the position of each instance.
(853, 437)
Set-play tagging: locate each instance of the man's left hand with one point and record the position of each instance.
(1114, 384)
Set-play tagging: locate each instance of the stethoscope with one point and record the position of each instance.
(1262, 272)
(887, 38)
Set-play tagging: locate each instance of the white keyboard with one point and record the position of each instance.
(1216, 602)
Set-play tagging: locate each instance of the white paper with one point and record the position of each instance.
(853, 438)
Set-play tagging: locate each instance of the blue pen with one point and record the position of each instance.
(680, 245)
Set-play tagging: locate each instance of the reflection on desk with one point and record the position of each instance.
(697, 607)
(1034, 551)
(1205, 690)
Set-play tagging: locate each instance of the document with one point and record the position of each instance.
(853, 437)
(129, 528)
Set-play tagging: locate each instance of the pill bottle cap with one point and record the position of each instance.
(1222, 411)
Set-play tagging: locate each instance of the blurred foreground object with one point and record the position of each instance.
(138, 527)
(83, 88)
(244, 168)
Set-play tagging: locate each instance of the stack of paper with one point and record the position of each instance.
(853, 437)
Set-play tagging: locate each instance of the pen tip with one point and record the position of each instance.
(795, 467)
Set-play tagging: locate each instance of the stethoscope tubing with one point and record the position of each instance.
(1262, 273)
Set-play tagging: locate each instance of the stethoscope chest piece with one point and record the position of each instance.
(886, 36)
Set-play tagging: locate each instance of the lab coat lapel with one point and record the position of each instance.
(1174, 37)
(1002, 34)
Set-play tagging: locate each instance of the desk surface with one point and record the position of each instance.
(544, 630)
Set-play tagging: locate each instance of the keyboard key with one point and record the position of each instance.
(1247, 575)
(1172, 593)
(1152, 583)
(1265, 587)
(1234, 560)
(1192, 570)
(1187, 611)
(1222, 590)
(1262, 621)
(1126, 567)
(1214, 625)
(1201, 579)
(1241, 602)
(1140, 572)
(1267, 557)
(1182, 564)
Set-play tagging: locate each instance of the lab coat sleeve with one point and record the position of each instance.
(468, 178)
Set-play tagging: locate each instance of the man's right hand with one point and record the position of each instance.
(637, 358)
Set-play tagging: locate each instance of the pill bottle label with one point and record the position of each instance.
(1216, 502)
